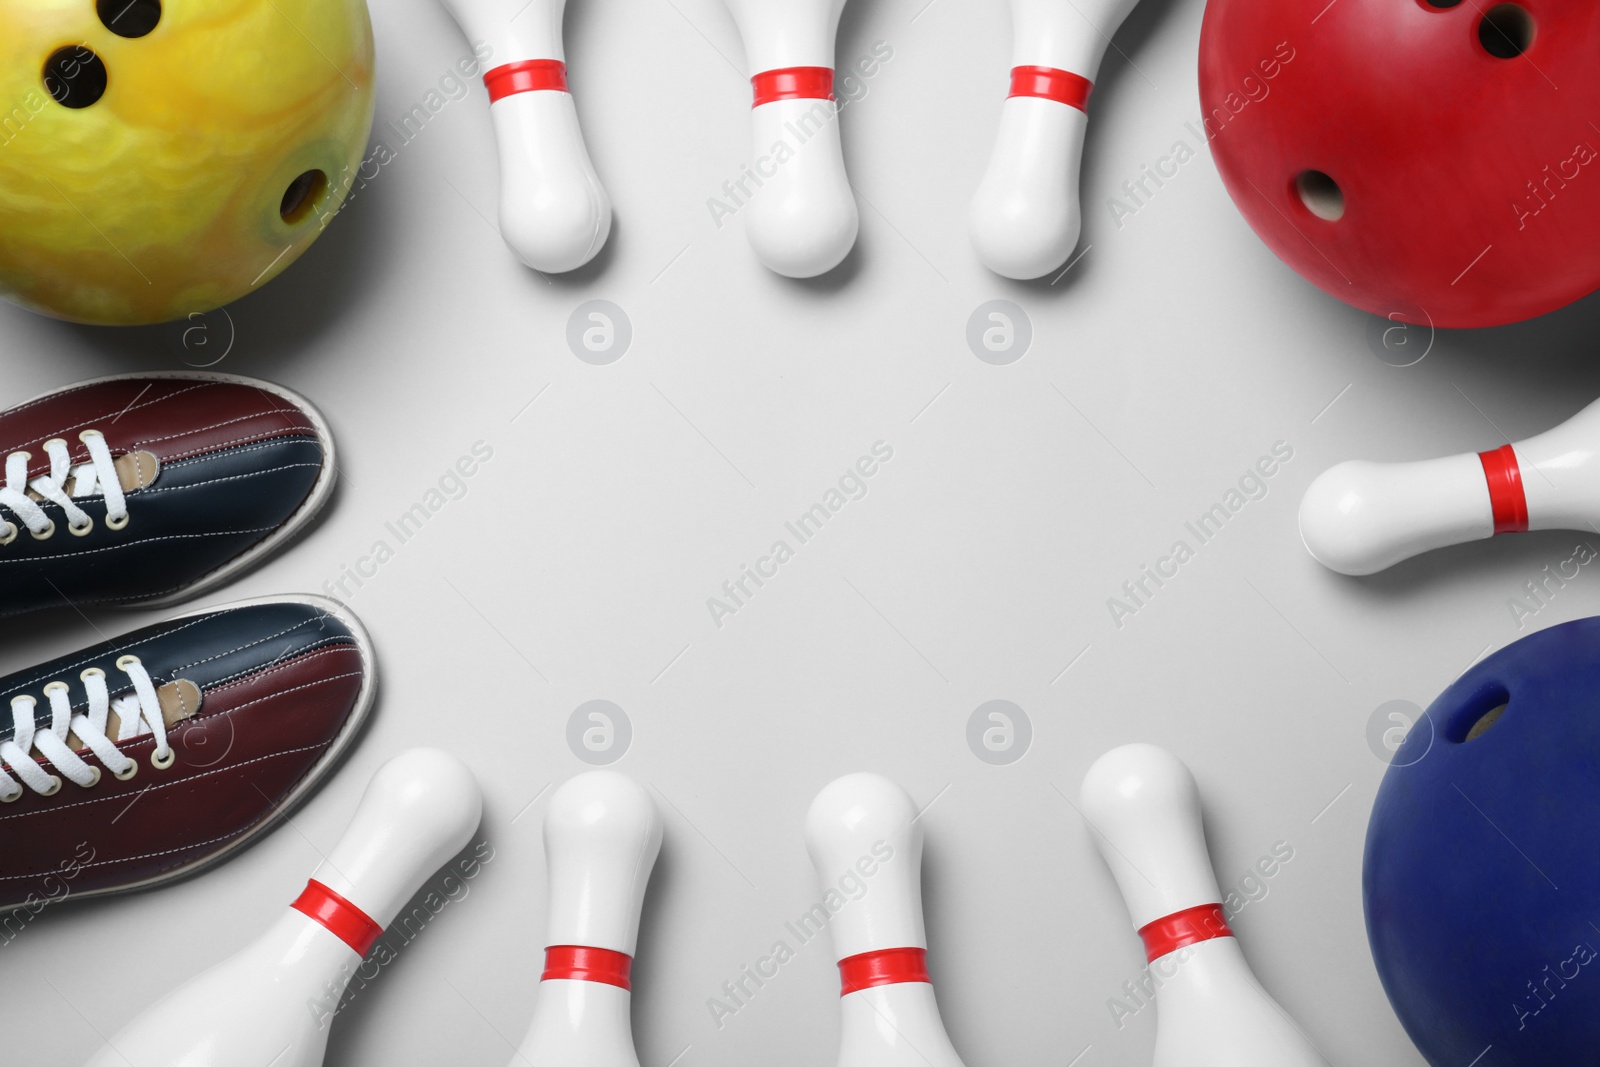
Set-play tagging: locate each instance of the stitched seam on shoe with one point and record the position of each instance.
(192, 622)
(212, 426)
(92, 385)
(198, 457)
(137, 544)
(308, 432)
(217, 426)
(329, 644)
(258, 641)
(164, 785)
(80, 387)
(139, 743)
(146, 855)
(290, 427)
(252, 443)
(228, 478)
(152, 403)
(292, 689)
(50, 507)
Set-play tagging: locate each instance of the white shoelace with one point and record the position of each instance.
(139, 712)
(99, 475)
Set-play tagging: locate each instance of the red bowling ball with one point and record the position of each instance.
(1432, 161)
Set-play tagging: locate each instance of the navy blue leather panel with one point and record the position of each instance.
(199, 514)
(206, 649)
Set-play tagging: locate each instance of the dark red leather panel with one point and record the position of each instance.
(254, 740)
(173, 418)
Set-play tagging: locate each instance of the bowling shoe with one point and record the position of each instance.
(148, 757)
(152, 488)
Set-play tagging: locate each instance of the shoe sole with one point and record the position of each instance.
(297, 520)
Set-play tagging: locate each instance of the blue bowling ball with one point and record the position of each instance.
(1482, 868)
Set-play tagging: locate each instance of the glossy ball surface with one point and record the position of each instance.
(1433, 161)
(164, 157)
(1481, 881)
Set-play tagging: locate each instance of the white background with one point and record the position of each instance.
(1174, 354)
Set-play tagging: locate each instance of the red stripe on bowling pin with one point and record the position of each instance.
(1182, 929)
(526, 76)
(1048, 83)
(1506, 495)
(338, 916)
(886, 966)
(792, 83)
(579, 963)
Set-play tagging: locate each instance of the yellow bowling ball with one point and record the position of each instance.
(164, 157)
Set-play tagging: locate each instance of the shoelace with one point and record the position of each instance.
(99, 475)
(139, 712)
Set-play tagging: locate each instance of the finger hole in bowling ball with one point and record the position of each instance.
(1441, 5)
(302, 195)
(129, 18)
(1486, 720)
(74, 76)
(1320, 194)
(1473, 717)
(1506, 31)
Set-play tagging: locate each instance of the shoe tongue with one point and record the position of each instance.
(135, 470)
(179, 701)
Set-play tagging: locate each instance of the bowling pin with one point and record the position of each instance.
(601, 837)
(553, 212)
(1143, 809)
(801, 217)
(1025, 217)
(862, 830)
(271, 1003)
(1360, 517)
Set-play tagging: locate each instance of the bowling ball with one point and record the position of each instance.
(1431, 161)
(1482, 879)
(163, 157)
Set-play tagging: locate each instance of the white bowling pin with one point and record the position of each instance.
(270, 1004)
(1360, 517)
(553, 211)
(601, 837)
(801, 216)
(862, 831)
(1025, 216)
(1143, 808)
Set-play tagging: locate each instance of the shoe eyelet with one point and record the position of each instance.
(91, 672)
(92, 781)
(54, 441)
(159, 764)
(84, 435)
(48, 532)
(10, 535)
(55, 786)
(124, 662)
(53, 686)
(12, 798)
(80, 531)
(133, 769)
(117, 524)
